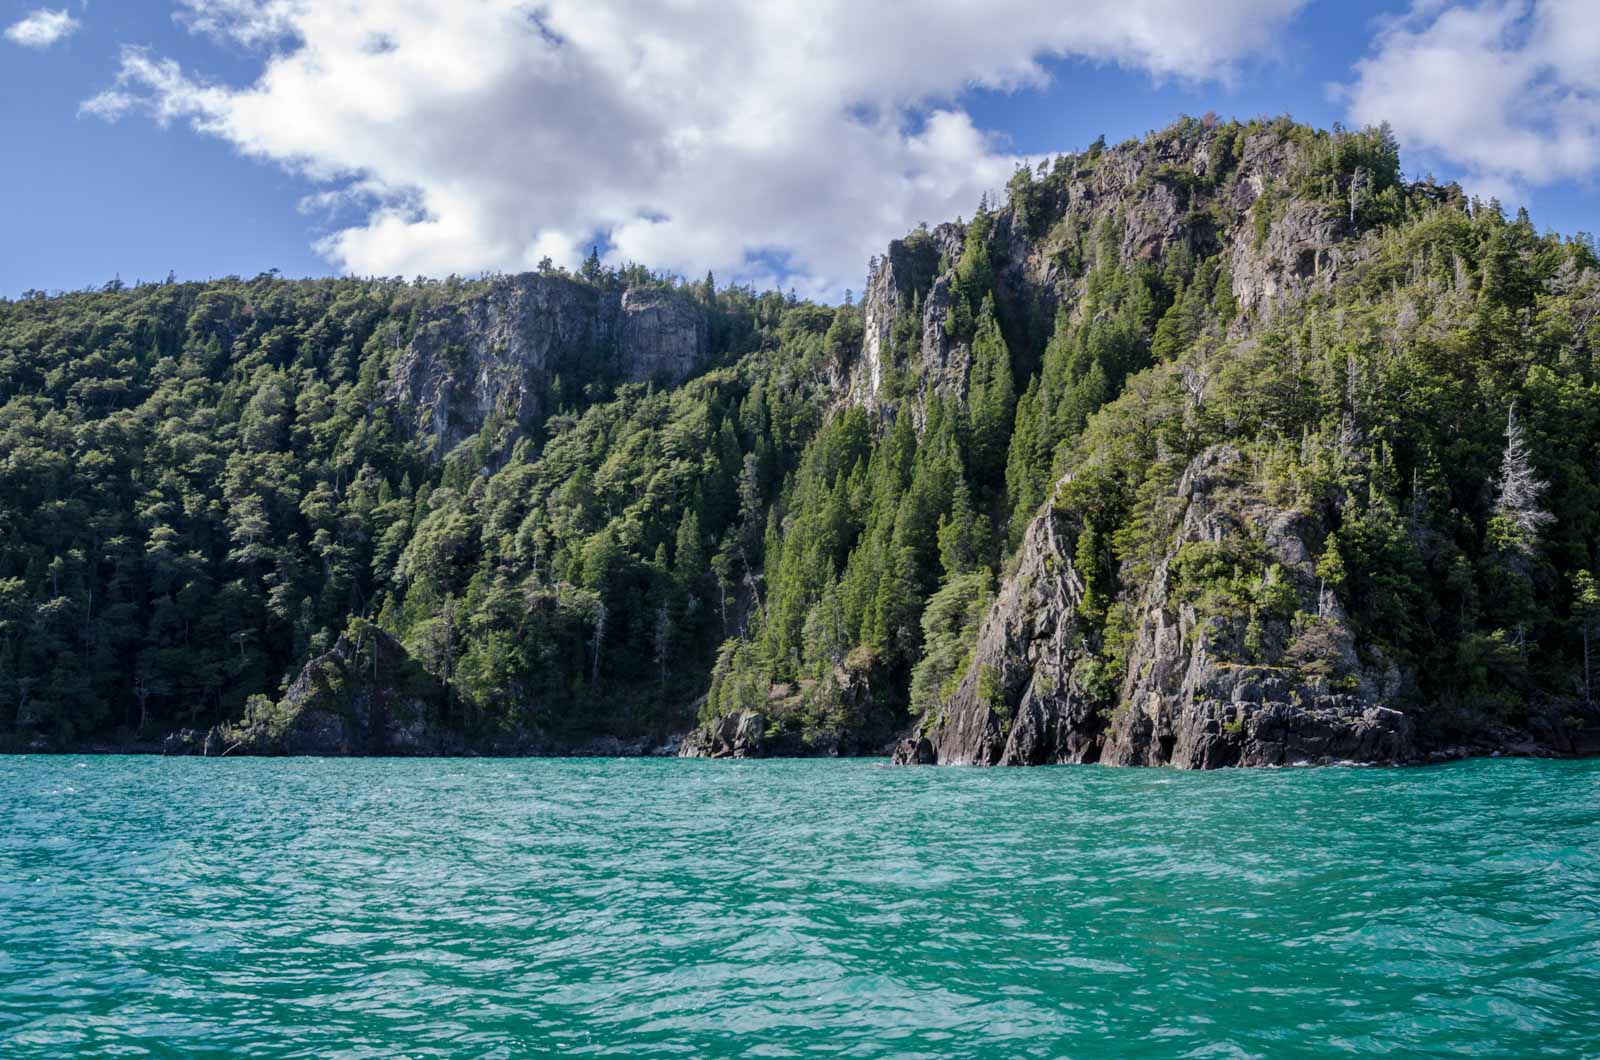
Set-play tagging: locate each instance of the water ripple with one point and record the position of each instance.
(505, 908)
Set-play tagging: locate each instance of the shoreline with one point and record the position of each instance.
(613, 747)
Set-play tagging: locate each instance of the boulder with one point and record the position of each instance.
(741, 734)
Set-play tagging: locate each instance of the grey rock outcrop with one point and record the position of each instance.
(1016, 704)
(662, 336)
(741, 734)
(906, 286)
(491, 359)
(190, 742)
(1207, 684)
(1205, 689)
(1196, 193)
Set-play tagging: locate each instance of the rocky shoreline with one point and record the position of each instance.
(198, 743)
(366, 697)
(724, 741)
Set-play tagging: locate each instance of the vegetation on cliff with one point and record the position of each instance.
(204, 483)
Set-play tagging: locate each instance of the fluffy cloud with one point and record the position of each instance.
(1508, 90)
(42, 28)
(753, 138)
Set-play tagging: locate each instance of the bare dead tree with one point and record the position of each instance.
(1518, 488)
(599, 640)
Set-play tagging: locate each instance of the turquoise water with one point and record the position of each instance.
(165, 907)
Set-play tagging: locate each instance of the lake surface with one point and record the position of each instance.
(307, 907)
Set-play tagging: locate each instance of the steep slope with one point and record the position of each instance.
(494, 357)
(1306, 531)
(1181, 197)
(985, 347)
(1214, 678)
(1312, 534)
(1226, 446)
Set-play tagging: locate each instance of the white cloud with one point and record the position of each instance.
(486, 134)
(248, 22)
(42, 28)
(160, 88)
(1508, 90)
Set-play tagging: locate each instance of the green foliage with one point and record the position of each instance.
(201, 484)
(1379, 410)
(992, 697)
(991, 395)
(1215, 577)
(216, 481)
(949, 625)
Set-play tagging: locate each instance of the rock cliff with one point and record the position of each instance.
(1152, 197)
(491, 360)
(900, 331)
(1263, 674)
(741, 734)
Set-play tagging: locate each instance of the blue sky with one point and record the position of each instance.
(91, 200)
(215, 137)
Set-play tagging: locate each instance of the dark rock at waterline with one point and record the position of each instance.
(183, 742)
(741, 734)
(617, 747)
(914, 751)
(366, 696)
(754, 734)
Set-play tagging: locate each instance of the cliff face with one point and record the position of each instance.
(1160, 195)
(661, 336)
(900, 330)
(1211, 679)
(1208, 681)
(1268, 679)
(1214, 477)
(1016, 703)
(492, 360)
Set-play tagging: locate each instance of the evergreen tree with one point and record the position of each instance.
(991, 396)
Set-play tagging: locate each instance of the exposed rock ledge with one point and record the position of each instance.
(1204, 687)
(491, 359)
(742, 734)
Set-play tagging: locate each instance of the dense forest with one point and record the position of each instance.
(203, 485)
(206, 482)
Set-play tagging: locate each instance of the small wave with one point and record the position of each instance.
(656, 908)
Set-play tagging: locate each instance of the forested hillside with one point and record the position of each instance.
(1230, 445)
(204, 483)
